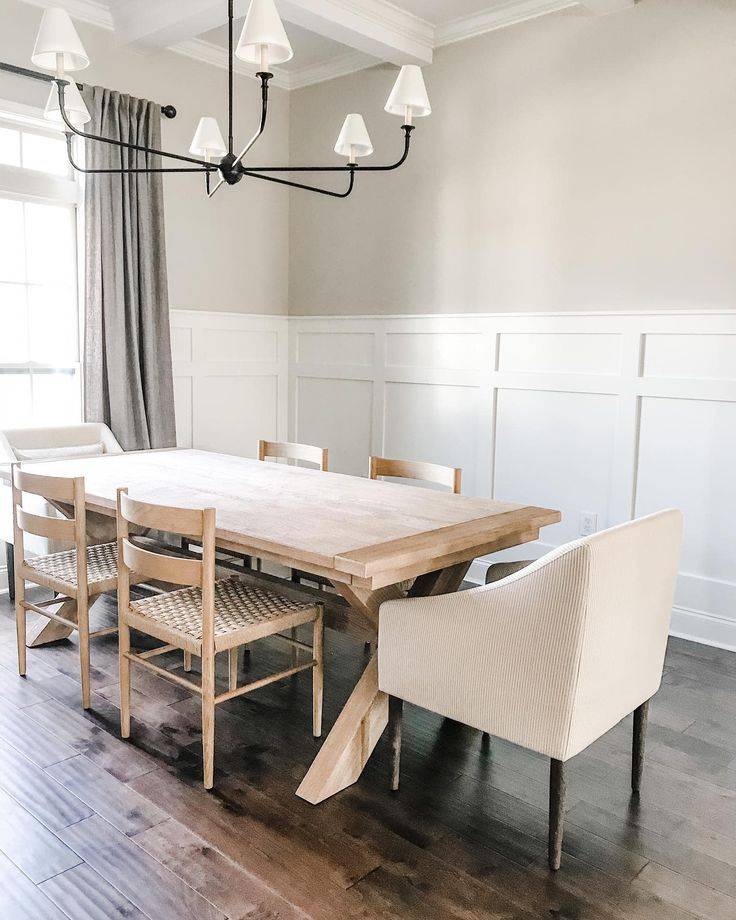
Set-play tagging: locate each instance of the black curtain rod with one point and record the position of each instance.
(168, 111)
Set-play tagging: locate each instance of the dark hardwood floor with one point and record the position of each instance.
(93, 827)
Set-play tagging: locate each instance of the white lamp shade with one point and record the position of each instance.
(208, 140)
(76, 110)
(409, 91)
(354, 140)
(263, 27)
(57, 35)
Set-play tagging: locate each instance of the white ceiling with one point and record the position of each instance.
(330, 37)
(440, 12)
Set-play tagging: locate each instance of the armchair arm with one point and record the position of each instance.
(502, 658)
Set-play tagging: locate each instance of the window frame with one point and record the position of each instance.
(24, 184)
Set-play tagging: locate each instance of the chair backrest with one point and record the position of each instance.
(149, 565)
(58, 441)
(283, 450)
(449, 476)
(629, 593)
(62, 490)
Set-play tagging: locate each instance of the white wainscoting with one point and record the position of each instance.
(611, 414)
(230, 379)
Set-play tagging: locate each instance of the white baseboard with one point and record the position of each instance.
(704, 628)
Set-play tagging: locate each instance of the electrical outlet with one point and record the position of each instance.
(588, 523)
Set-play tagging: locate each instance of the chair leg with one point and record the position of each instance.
(83, 632)
(10, 569)
(318, 679)
(124, 667)
(208, 718)
(20, 623)
(187, 661)
(294, 650)
(395, 712)
(232, 664)
(641, 716)
(556, 812)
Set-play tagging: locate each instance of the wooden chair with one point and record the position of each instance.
(449, 476)
(204, 618)
(550, 657)
(79, 575)
(306, 453)
(283, 450)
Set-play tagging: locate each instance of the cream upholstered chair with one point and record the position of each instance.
(79, 576)
(205, 617)
(549, 658)
(59, 442)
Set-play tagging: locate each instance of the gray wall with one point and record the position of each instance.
(571, 163)
(230, 253)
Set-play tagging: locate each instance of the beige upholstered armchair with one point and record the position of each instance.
(62, 442)
(550, 657)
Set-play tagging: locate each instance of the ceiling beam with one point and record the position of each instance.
(152, 26)
(601, 7)
(373, 27)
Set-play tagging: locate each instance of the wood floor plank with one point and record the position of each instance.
(38, 792)
(232, 889)
(20, 691)
(107, 796)
(21, 899)
(705, 857)
(34, 849)
(144, 881)
(25, 735)
(686, 894)
(85, 736)
(83, 894)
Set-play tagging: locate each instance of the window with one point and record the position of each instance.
(39, 304)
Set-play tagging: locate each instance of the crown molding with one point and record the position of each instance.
(499, 17)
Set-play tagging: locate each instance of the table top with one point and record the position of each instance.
(356, 529)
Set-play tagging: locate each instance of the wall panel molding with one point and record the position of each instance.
(606, 413)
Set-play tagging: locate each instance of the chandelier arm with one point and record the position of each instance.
(123, 169)
(400, 162)
(107, 140)
(265, 77)
(236, 161)
(308, 188)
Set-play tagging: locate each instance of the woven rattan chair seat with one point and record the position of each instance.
(237, 606)
(101, 564)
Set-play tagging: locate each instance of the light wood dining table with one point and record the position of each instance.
(366, 537)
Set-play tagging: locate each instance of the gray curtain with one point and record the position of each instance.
(127, 348)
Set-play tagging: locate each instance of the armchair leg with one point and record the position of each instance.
(395, 711)
(641, 715)
(556, 812)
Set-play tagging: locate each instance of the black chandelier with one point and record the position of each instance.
(263, 41)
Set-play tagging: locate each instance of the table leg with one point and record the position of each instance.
(354, 735)
(49, 630)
